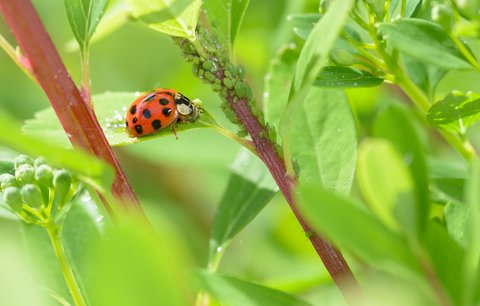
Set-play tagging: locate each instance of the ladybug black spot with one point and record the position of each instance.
(146, 113)
(156, 124)
(134, 120)
(139, 129)
(163, 101)
(149, 98)
(167, 111)
(133, 110)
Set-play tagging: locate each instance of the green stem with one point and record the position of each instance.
(86, 80)
(242, 141)
(198, 46)
(465, 52)
(55, 237)
(12, 53)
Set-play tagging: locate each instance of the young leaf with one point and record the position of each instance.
(84, 165)
(446, 256)
(249, 189)
(236, 292)
(84, 16)
(319, 44)
(135, 266)
(424, 76)
(303, 23)
(344, 77)
(456, 112)
(456, 216)
(225, 16)
(277, 84)
(387, 184)
(110, 108)
(323, 139)
(411, 8)
(471, 265)
(426, 41)
(172, 17)
(365, 235)
(395, 124)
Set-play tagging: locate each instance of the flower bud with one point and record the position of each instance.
(7, 180)
(13, 198)
(443, 15)
(24, 174)
(62, 181)
(40, 161)
(32, 196)
(468, 8)
(7, 166)
(23, 160)
(44, 175)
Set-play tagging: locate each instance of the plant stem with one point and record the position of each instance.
(56, 239)
(465, 52)
(11, 52)
(86, 81)
(74, 113)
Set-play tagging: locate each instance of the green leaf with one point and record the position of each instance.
(249, 189)
(233, 291)
(85, 166)
(471, 267)
(303, 23)
(448, 190)
(225, 16)
(344, 77)
(456, 216)
(411, 8)
(110, 108)
(387, 184)
(84, 16)
(348, 225)
(396, 124)
(135, 266)
(446, 256)
(424, 76)
(426, 41)
(323, 139)
(172, 17)
(277, 84)
(319, 44)
(456, 112)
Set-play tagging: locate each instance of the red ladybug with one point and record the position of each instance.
(157, 109)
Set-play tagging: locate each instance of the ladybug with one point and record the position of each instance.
(158, 109)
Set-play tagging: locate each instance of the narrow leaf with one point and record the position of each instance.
(249, 189)
(344, 77)
(426, 41)
(395, 124)
(365, 235)
(110, 108)
(172, 17)
(84, 16)
(456, 216)
(456, 112)
(323, 139)
(303, 23)
(387, 184)
(225, 16)
(320, 42)
(277, 84)
(236, 292)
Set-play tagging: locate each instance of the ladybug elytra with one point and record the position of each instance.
(158, 109)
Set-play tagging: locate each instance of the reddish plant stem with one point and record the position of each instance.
(75, 115)
(331, 257)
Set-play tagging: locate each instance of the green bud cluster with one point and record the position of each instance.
(36, 191)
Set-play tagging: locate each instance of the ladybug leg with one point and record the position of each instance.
(174, 131)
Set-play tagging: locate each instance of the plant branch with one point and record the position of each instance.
(55, 237)
(78, 121)
(223, 72)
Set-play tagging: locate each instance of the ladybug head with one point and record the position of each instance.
(188, 110)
